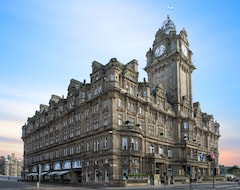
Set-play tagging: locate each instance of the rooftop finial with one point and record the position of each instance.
(168, 25)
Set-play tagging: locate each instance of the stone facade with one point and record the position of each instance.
(10, 166)
(115, 126)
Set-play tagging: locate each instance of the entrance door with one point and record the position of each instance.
(87, 176)
(106, 176)
(96, 175)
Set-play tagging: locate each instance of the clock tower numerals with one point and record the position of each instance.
(159, 50)
(184, 50)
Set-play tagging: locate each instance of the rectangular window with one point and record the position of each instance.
(71, 150)
(89, 95)
(169, 133)
(71, 104)
(169, 123)
(131, 106)
(112, 77)
(88, 147)
(78, 117)
(65, 151)
(185, 125)
(135, 161)
(152, 115)
(131, 121)
(65, 123)
(120, 103)
(151, 149)
(78, 132)
(141, 111)
(201, 157)
(105, 103)
(95, 123)
(60, 108)
(169, 153)
(185, 137)
(57, 127)
(96, 145)
(120, 119)
(71, 133)
(140, 124)
(51, 140)
(83, 95)
(41, 143)
(96, 108)
(151, 129)
(124, 173)
(105, 119)
(160, 119)
(160, 132)
(105, 143)
(87, 112)
(78, 148)
(135, 144)
(135, 170)
(87, 127)
(124, 143)
(131, 90)
(160, 151)
(70, 120)
(65, 135)
(57, 154)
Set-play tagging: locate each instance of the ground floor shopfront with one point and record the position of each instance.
(109, 172)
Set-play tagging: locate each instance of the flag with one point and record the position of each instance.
(212, 155)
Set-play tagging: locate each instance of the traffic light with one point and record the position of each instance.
(214, 171)
(189, 169)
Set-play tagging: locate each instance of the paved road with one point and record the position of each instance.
(14, 185)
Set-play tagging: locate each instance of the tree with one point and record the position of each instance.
(233, 170)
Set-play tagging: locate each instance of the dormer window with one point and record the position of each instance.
(112, 77)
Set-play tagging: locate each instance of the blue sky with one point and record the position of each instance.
(46, 43)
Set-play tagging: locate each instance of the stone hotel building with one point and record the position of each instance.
(114, 126)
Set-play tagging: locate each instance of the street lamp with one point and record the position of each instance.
(211, 158)
(189, 165)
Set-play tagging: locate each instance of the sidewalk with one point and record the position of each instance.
(178, 186)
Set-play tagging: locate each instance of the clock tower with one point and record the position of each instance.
(169, 62)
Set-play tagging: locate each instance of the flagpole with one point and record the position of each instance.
(213, 172)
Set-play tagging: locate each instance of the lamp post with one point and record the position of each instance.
(211, 157)
(190, 175)
(39, 168)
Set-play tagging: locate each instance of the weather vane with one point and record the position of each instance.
(170, 8)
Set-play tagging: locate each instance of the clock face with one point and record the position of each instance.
(159, 50)
(184, 50)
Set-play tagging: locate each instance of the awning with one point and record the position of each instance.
(58, 172)
(53, 173)
(32, 174)
(63, 172)
(44, 173)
